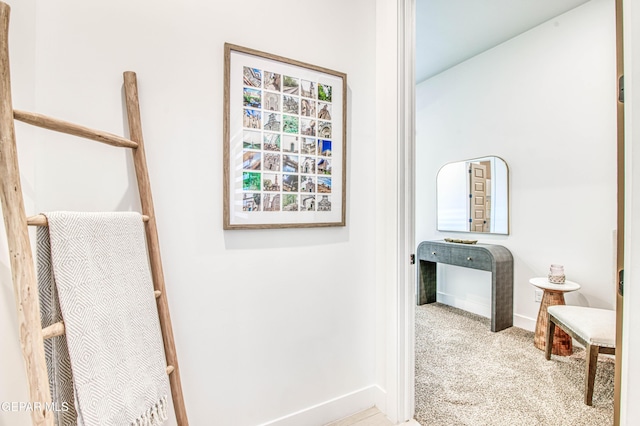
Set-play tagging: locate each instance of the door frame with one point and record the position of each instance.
(620, 232)
(406, 197)
(630, 379)
(395, 129)
(401, 404)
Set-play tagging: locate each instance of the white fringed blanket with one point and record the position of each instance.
(93, 270)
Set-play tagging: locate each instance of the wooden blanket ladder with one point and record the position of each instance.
(16, 223)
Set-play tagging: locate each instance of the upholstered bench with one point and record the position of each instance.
(592, 327)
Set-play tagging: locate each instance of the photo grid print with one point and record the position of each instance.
(287, 142)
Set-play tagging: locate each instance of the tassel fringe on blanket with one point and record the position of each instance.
(154, 416)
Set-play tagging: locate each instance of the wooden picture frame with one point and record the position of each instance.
(285, 142)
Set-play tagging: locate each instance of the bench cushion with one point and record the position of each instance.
(596, 326)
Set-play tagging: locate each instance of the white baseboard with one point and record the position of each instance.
(523, 322)
(482, 309)
(380, 398)
(333, 409)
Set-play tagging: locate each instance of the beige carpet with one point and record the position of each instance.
(467, 375)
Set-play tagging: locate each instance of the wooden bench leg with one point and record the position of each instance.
(548, 346)
(591, 358)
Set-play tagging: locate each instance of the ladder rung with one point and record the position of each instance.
(57, 125)
(157, 293)
(56, 329)
(41, 220)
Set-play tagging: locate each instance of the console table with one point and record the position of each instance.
(486, 257)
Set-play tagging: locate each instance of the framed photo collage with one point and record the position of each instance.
(285, 144)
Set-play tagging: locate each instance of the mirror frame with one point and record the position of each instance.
(508, 196)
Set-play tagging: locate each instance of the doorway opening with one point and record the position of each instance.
(532, 109)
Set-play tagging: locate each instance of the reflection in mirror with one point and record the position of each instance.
(473, 196)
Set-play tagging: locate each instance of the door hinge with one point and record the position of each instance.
(412, 259)
(621, 282)
(621, 89)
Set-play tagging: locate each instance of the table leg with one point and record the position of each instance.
(562, 342)
(426, 282)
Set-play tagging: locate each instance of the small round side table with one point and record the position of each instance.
(553, 295)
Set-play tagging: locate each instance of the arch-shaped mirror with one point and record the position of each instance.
(473, 196)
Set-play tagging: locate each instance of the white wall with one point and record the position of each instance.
(272, 326)
(544, 102)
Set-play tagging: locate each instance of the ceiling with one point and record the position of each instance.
(449, 32)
